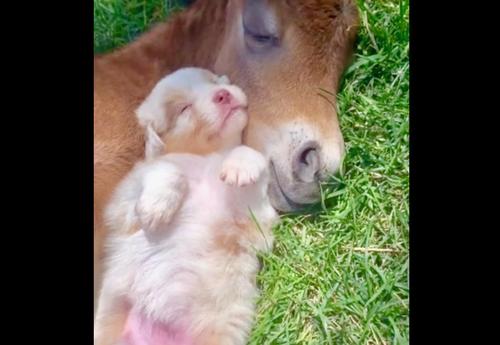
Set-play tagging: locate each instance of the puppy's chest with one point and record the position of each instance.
(212, 224)
(210, 199)
(210, 227)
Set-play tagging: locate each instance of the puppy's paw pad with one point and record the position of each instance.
(239, 173)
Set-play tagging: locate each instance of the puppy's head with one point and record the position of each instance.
(195, 111)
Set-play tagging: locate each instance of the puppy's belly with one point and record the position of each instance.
(140, 330)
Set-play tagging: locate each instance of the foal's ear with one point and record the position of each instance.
(154, 145)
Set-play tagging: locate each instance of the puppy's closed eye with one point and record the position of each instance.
(185, 107)
(175, 109)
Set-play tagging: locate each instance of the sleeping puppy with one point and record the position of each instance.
(187, 224)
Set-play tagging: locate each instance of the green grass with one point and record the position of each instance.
(317, 286)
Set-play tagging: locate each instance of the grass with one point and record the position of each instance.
(320, 286)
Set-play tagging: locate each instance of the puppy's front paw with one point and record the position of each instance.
(152, 212)
(236, 174)
(156, 209)
(242, 167)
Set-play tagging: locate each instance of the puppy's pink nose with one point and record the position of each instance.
(222, 97)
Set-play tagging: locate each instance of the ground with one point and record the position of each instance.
(340, 275)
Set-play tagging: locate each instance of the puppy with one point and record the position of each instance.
(186, 226)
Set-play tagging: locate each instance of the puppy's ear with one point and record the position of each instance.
(223, 80)
(151, 113)
(154, 144)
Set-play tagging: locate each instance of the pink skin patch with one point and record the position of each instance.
(139, 330)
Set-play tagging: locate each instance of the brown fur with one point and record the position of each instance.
(208, 338)
(229, 239)
(319, 39)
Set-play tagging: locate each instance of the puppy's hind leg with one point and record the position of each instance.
(112, 309)
(110, 319)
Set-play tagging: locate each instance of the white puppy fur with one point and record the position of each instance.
(188, 275)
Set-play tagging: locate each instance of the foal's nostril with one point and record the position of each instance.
(306, 156)
(307, 163)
